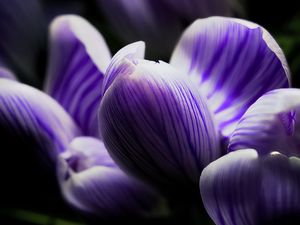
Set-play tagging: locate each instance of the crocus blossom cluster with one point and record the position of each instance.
(56, 124)
(109, 124)
(166, 122)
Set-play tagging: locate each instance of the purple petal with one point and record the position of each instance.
(93, 183)
(5, 73)
(22, 28)
(243, 188)
(32, 117)
(117, 67)
(157, 126)
(78, 59)
(271, 124)
(234, 62)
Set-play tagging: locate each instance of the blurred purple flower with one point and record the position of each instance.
(165, 122)
(160, 22)
(23, 34)
(260, 186)
(53, 124)
(22, 29)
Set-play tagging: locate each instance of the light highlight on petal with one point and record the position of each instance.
(5, 73)
(118, 67)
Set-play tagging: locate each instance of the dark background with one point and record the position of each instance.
(28, 191)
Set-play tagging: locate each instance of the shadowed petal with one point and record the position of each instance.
(78, 58)
(117, 67)
(157, 126)
(34, 118)
(234, 62)
(19, 46)
(243, 188)
(93, 183)
(5, 73)
(271, 124)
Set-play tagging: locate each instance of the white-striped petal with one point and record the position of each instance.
(233, 62)
(93, 183)
(271, 124)
(77, 62)
(157, 126)
(247, 189)
(29, 116)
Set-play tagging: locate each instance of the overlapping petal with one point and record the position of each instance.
(271, 124)
(234, 62)
(34, 118)
(93, 183)
(19, 47)
(157, 126)
(5, 73)
(243, 188)
(78, 59)
(117, 67)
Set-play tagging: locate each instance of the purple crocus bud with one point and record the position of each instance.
(93, 183)
(78, 59)
(22, 29)
(156, 125)
(159, 22)
(247, 189)
(35, 119)
(271, 124)
(233, 62)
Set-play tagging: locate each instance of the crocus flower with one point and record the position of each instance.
(260, 186)
(166, 122)
(150, 20)
(54, 124)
